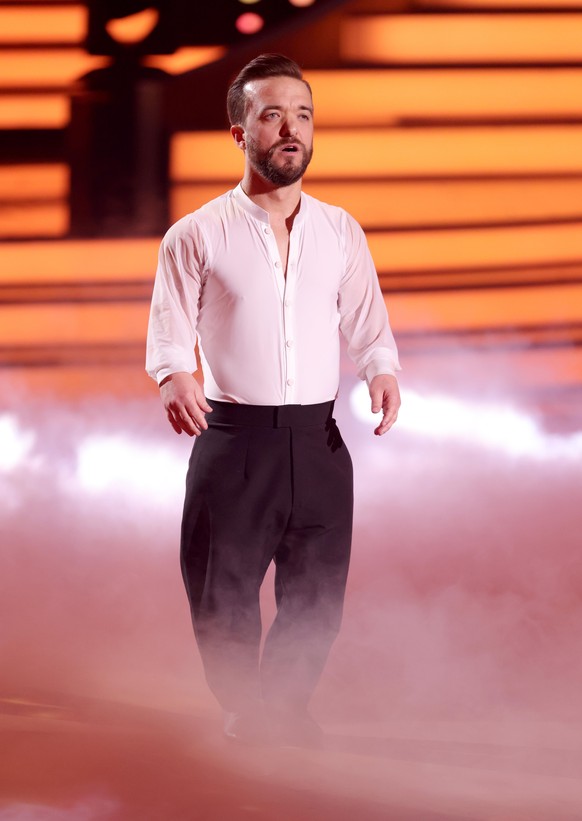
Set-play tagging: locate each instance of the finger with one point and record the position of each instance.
(390, 407)
(173, 422)
(195, 414)
(376, 397)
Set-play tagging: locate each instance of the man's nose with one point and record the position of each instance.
(288, 126)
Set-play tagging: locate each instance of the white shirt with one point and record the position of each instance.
(267, 339)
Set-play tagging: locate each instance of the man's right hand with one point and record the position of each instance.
(185, 403)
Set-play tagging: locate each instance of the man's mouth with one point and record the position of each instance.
(290, 148)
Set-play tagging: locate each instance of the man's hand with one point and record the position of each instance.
(385, 397)
(185, 404)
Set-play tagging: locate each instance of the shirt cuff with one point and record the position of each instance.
(379, 367)
(163, 373)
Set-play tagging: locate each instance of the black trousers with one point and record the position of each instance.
(267, 484)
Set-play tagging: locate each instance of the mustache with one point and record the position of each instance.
(293, 141)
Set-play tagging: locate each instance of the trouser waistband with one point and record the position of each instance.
(269, 416)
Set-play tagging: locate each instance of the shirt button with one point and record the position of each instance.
(277, 264)
(267, 230)
(290, 382)
(287, 303)
(289, 343)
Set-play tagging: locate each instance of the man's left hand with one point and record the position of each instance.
(385, 396)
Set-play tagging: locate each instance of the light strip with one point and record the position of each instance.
(384, 97)
(34, 111)
(42, 68)
(462, 248)
(102, 260)
(42, 24)
(434, 38)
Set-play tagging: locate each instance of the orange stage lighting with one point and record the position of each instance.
(39, 181)
(486, 309)
(45, 67)
(33, 24)
(384, 97)
(450, 38)
(450, 248)
(78, 261)
(185, 59)
(34, 219)
(34, 111)
(75, 324)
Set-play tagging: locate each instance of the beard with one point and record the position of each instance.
(279, 175)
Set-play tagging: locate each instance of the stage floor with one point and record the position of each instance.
(453, 691)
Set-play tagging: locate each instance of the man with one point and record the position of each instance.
(265, 277)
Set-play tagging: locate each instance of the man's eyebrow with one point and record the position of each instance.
(280, 108)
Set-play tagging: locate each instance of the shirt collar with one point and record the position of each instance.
(259, 213)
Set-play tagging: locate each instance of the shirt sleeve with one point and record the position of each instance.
(171, 338)
(363, 315)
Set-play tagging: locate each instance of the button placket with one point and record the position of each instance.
(289, 326)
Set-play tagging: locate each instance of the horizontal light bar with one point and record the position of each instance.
(104, 260)
(42, 24)
(451, 38)
(42, 68)
(80, 324)
(394, 203)
(486, 309)
(25, 182)
(373, 153)
(458, 249)
(34, 219)
(497, 4)
(383, 97)
(185, 59)
(34, 111)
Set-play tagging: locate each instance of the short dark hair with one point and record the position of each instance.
(265, 65)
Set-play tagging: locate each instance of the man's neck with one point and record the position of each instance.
(280, 203)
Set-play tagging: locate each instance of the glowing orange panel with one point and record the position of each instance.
(34, 219)
(429, 38)
(185, 59)
(497, 4)
(34, 111)
(37, 24)
(45, 67)
(78, 260)
(133, 28)
(392, 203)
(25, 182)
(472, 150)
(488, 308)
(429, 250)
(70, 324)
(373, 153)
(383, 97)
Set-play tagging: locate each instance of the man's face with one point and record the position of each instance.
(278, 129)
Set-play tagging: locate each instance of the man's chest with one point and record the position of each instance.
(250, 258)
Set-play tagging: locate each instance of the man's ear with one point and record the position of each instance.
(238, 134)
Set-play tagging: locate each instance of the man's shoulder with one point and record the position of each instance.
(195, 222)
(334, 214)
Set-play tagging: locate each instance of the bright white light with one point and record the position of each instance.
(15, 444)
(488, 425)
(117, 464)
